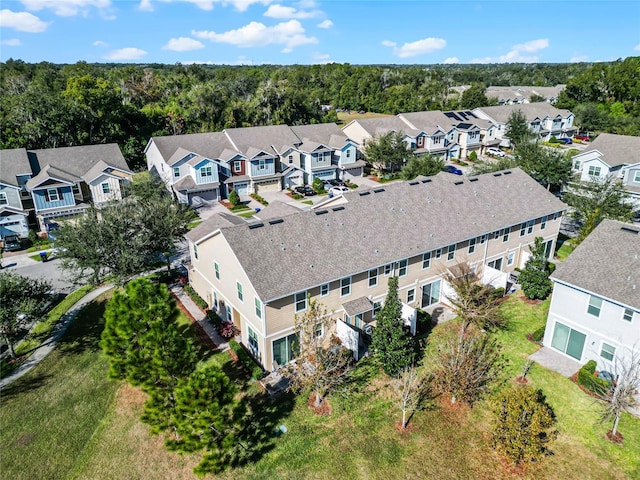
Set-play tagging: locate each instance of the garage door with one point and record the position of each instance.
(271, 186)
(241, 188)
(208, 194)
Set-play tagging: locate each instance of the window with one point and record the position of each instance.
(253, 341)
(636, 176)
(594, 171)
(176, 172)
(285, 349)
(106, 188)
(511, 258)
(324, 290)
(239, 287)
(451, 252)
(301, 301)
(556, 216)
(216, 267)
(543, 223)
(568, 340)
(261, 165)
(505, 235)
(483, 239)
(526, 228)
(348, 152)
(436, 140)
(411, 295)
(206, 172)
(317, 331)
(290, 158)
(472, 245)
(437, 253)
(608, 351)
(627, 315)
(388, 269)
(497, 264)
(75, 189)
(52, 195)
(377, 306)
(595, 305)
(426, 260)
(373, 277)
(258, 307)
(345, 286)
(3, 198)
(431, 293)
(402, 267)
(195, 251)
(577, 165)
(215, 300)
(237, 166)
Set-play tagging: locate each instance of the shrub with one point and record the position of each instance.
(195, 297)
(463, 163)
(259, 198)
(249, 363)
(553, 139)
(318, 186)
(587, 378)
(473, 156)
(538, 335)
(227, 330)
(297, 196)
(214, 318)
(234, 198)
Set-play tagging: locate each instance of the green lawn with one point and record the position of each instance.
(92, 422)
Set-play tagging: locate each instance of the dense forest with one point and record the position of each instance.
(46, 105)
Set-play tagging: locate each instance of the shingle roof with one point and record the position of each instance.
(398, 221)
(51, 172)
(381, 125)
(13, 162)
(616, 149)
(429, 121)
(276, 209)
(530, 110)
(328, 134)
(211, 145)
(213, 223)
(79, 160)
(262, 138)
(606, 263)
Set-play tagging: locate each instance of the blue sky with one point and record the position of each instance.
(314, 31)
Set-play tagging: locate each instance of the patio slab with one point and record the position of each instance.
(556, 361)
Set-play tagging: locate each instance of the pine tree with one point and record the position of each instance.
(234, 198)
(534, 277)
(391, 342)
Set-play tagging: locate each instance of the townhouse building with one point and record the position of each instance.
(595, 305)
(40, 187)
(261, 274)
(544, 119)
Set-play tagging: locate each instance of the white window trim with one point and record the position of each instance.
(388, 266)
(406, 267)
(343, 286)
(589, 305)
(636, 176)
(56, 194)
(3, 199)
(328, 289)
(624, 315)
(258, 305)
(216, 270)
(613, 354)
(296, 301)
(239, 291)
(372, 277)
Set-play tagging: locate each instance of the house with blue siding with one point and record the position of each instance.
(43, 186)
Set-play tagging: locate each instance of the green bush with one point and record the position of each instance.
(473, 156)
(463, 163)
(195, 297)
(246, 360)
(587, 378)
(538, 335)
(553, 139)
(259, 198)
(234, 198)
(297, 196)
(318, 186)
(214, 318)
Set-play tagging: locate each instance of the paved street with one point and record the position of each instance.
(20, 263)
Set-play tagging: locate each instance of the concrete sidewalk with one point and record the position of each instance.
(200, 318)
(48, 345)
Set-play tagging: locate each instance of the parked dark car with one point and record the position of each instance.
(11, 243)
(336, 183)
(306, 190)
(452, 169)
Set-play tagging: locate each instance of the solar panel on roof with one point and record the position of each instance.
(453, 115)
(465, 125)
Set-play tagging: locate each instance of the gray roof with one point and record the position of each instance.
(268, 138)
(213, 223)
(429, 121)
(606, 263)
(616, 150)
(13, 162)
(79, 160)
(211, 145)
(531, 111)
(398, 221)
(380, 125)
(359, 305)
(276, 209)
(187, 183)
(51, 172)
(328, 134)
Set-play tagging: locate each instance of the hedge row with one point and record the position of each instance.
(195, 297)
(246, 360)
(587, 378)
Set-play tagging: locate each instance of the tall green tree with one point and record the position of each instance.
(518, 129)
(21, 298)
(425, 165)
(391, 342)
(550, 168)
(534, 277)
(387, 151)
(524, 424)
(474, 97)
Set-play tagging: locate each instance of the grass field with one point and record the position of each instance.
(345, 117)
(80, 425)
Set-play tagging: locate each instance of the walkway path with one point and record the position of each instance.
(200, 318)
(48, 345)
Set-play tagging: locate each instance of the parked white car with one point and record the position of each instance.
(339, 190)
(496, 152)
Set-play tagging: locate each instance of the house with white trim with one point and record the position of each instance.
(595, 305)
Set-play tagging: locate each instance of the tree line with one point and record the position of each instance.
(47, 105)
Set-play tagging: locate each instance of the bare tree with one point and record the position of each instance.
(474, 302)
(623, 396)
(410, 388)
(322, 362)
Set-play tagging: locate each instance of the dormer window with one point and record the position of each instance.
(52, 195)
(262, 165)
(237, 166)
(176, 172)
(206, 172)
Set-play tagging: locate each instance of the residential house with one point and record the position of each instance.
(364, 130)
(611, 155)
(440, 137)
(15, 201)
(64, 181)
(522, 94)
(259, 275)
(595, 305)
(544, 119)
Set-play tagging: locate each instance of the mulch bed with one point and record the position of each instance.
(617, 438)
(202, 335)
(324, 409)
(574, 379)
(521, 381)
(528, 301)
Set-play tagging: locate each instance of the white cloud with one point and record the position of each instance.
(22, 21)
(100, 43)
(451, 60)
(418, 47)
(637, 48)
(183, 44)
(129, 53)
(145, 6)
(66, 8)
(578, 58)
(11, 42)
(325, 24)
(515, 54)
(240, 5)
(280, 11)
(242, 60)
(291, 34)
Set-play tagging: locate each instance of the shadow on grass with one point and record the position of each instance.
(25, 384)
(84, 332)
